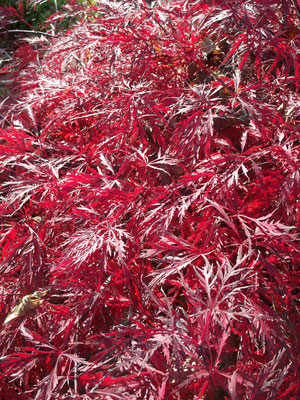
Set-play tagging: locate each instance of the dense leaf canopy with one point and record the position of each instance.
(150, 194)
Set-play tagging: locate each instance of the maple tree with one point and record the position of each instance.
(150, 193)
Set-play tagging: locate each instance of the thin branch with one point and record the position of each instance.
(27, 31)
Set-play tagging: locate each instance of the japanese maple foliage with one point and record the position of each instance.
(150, 183)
